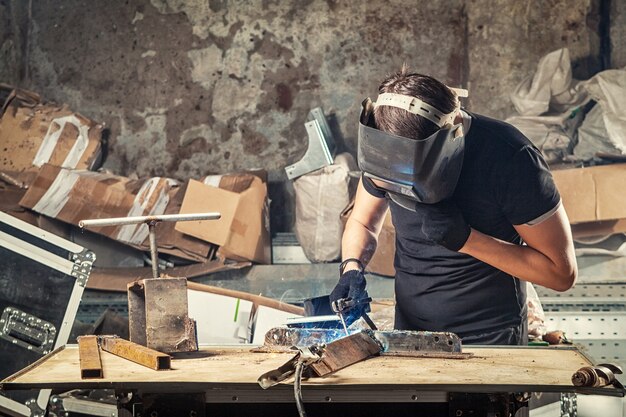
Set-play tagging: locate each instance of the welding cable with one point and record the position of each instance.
(297, 390)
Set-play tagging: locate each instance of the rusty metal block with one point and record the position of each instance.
(158, 315)
(137, 353)
(89, 357)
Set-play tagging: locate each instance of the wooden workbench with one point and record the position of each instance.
(223, 369)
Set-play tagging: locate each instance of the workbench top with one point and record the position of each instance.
(489, 369)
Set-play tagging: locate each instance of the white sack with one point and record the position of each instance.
(593, 137)
(608, 88)
(551, 87)
(321, 196)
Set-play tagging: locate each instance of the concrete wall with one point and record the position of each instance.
(190, 87)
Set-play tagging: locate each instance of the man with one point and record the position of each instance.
(475, 210)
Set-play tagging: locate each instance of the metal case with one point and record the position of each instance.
(42, 278)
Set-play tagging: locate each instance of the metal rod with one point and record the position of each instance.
(136, 353)
(89, 357)
(343, 321)
(154, 255)
(120, 221)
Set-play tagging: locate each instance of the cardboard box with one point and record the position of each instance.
(593, 194)
(242, 232)
(75, 195)
(33, 133)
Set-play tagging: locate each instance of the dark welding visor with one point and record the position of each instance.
(420, 170)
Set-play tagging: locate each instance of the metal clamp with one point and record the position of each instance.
(306, 355)
(596, 376)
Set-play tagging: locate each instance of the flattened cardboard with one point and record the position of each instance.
(594, 193)
(94, 195)
(242, 232)
(23, 130)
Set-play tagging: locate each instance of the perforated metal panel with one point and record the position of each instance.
(593, 316)
(588, 325)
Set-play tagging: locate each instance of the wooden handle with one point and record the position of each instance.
(256, 299)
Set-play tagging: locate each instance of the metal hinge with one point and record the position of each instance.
(83, 263)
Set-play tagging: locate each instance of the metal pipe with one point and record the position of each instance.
(120, 221)
(154, 255)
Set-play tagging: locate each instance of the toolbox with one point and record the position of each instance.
(42, 278)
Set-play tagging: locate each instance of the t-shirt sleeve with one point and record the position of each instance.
(371, 188)
(527, 192)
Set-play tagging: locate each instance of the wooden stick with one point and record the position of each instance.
(136, 353)
(89, 357)
(256, 299)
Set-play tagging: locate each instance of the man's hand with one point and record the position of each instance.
(351, 285)
(443, 223)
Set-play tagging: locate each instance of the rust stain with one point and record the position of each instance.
(284, 97)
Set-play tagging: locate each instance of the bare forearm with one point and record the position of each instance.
(524, 262)
(357, 242)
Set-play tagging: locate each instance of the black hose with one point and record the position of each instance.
(297, 390)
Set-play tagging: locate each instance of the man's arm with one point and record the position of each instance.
(362, 228)
(548, 258)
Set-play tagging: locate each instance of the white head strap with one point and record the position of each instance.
(416, 106)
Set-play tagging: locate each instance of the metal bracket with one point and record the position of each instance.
(83, 262)
(321, 148)
(35, 410)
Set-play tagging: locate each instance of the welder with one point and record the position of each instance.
(475, 210)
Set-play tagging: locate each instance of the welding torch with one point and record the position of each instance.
(342, 305)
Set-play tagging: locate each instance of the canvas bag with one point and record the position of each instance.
(321, 196)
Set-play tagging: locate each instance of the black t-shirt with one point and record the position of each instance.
(504, 182)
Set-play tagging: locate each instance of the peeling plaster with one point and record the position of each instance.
(201, 131)
(138, 17)
(206, 65)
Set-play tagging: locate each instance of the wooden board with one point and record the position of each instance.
(490, 369)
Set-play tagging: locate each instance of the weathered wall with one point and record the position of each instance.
(507, 38)
(618, 33)
(190, 87)
(13, 37)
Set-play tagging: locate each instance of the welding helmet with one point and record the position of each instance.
(412, 170)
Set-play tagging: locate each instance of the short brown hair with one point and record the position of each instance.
(402, 123)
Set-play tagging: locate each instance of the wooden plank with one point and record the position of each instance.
(89, 357)
(133, 352)
(490, 369)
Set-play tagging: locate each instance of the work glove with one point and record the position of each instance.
(351, 285)
(443, 224)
